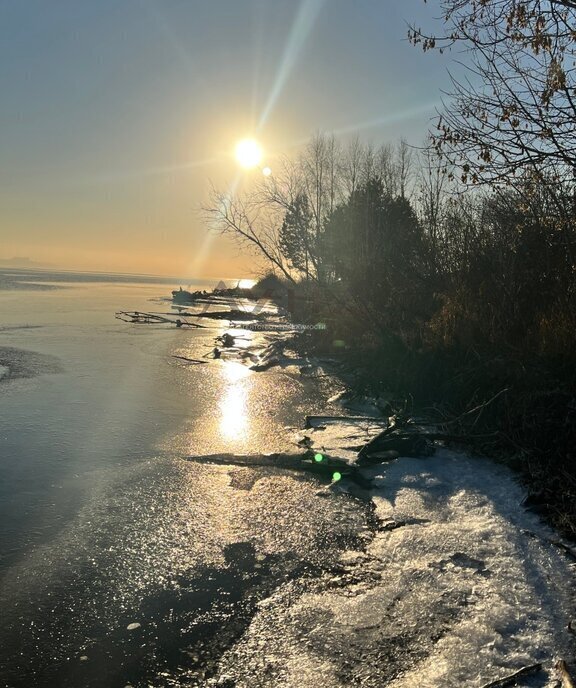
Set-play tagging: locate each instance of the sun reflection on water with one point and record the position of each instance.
(233, 405)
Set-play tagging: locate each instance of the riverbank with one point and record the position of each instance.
(520, 412)
(512, 401)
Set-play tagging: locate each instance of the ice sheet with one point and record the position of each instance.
(459, 586)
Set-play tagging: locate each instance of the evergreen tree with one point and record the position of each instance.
(296, 241)
(377, 250)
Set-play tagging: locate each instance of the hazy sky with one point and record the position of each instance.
(116, 114)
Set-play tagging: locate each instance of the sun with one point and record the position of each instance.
(248, 153)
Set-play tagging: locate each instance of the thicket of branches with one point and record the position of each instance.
(383, 234)
(514, 108)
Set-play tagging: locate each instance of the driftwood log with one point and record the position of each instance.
(188, 360)
(308, 461)
(387, 445)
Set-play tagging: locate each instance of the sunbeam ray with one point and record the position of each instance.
(376, 123)
(388, 119)
(306, 17)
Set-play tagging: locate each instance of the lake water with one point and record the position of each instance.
(122, 561)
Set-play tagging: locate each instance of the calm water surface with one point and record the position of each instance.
(105, 523)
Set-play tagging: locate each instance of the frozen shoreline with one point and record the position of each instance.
(458, 585)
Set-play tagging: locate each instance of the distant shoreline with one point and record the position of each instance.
(123, 276)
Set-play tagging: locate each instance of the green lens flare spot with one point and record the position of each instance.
(336, 476)
(318, 458)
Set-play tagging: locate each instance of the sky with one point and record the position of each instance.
(117, 116)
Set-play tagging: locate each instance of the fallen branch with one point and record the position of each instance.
(139, 317)
(303, 461)
(150, 318)
(511, 679)
(310, 420)
(480, 408)
(189, 360)
(232, 315)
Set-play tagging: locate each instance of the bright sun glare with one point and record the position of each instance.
(248, 153)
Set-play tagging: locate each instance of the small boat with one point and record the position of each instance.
(184, 296)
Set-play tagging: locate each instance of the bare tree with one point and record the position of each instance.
(516, 108)
(318, 168)
(385, 167)
(403, 167)
(351, 165)
(251, 223)
(431, 194)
